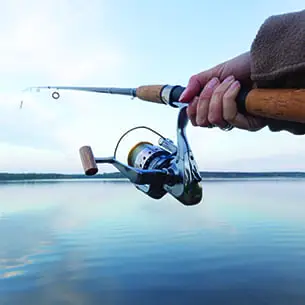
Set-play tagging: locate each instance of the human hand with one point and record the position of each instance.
(211, 96)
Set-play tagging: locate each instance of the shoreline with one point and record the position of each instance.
(116, 176)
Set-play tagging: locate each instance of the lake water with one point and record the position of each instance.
(89, 243)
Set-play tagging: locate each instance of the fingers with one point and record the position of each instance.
(193, 89)
(231, 114)
(204, 102)
(238, 66)
(229, 106)
(216, 105)
(208, 108)
(215, 115)
(196, 84)
(192, 111)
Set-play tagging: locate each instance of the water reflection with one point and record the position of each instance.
(108, 243)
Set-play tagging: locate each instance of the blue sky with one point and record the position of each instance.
(123, 43)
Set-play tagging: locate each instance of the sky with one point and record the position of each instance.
(123, 44)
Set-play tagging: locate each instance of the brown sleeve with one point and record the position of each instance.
(279, 47)
(278, 59)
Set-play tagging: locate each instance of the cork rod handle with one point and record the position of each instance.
(150, 93)
(279, 104)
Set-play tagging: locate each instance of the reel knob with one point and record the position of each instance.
(88, 161)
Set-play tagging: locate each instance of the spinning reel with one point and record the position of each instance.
(157, 170)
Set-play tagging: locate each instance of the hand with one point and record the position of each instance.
(212, 95)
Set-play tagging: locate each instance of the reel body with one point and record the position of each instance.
(157, 170)
(147, 156)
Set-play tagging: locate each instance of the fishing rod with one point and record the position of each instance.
(279, 104)
(169, 168)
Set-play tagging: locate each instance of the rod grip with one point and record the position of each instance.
(88, 160)
(150, 93)
(279, 104)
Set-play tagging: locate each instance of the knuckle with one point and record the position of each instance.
(229, 115)
(228, 96)
(226, 118)
(193, 122)
(191, 110)
(191, 116)
(218, 95)
(202, 122)
(203, 103)
(215, 115)
(193, 79)
(202, 107)
(215, 119)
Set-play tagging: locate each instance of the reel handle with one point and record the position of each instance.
(88, 160)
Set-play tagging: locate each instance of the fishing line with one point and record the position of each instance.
(128, 131)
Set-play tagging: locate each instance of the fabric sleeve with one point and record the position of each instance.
(278, 59)
(279, 47)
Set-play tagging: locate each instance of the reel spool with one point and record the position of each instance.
(145, 155)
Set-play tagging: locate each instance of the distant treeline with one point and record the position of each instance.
(117, 175)
(41, 176)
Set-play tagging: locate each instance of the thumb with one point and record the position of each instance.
(196, 84)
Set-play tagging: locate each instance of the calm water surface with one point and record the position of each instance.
(88, 243)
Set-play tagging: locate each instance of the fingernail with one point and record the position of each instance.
(212, 83)
(234, 85)
(228, 79)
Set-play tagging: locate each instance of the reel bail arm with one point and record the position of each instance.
(189, 189)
